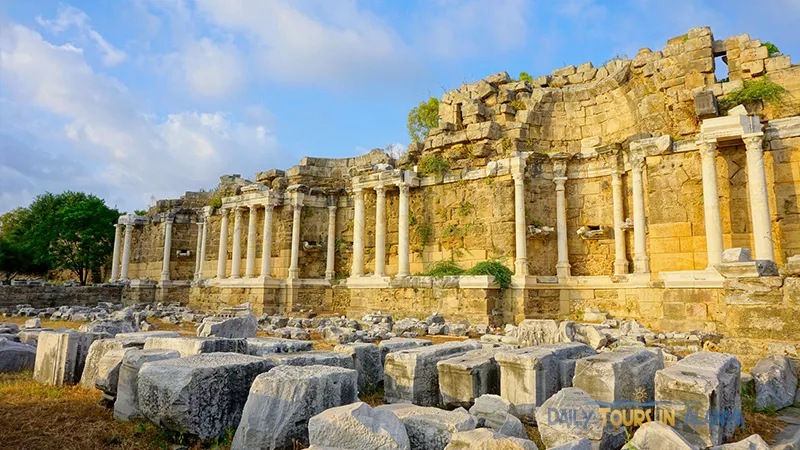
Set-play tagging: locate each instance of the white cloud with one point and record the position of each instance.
(212, 69)
(334, 44)
(118, 149)
(70, 16)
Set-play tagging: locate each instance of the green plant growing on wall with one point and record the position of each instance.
(341, 245)
(502, 274)
(762, 89)
(519, 105)
(307, 211)
(524, 76)
(464, 209)
(140, 212)
(451, 231)
(771, 48)
(433, 165)
(216, 202)
(443, 268)
(536, 223)
(422, 118)
(423, 232)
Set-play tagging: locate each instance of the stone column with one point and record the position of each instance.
(198, 263)
(759, 199)
(223, 244)
(126, 251)
(403, 248)
(358, 234)
(236, 263)
(266, 245)
(521, 261)
(297, 205)
(380, 231)
(115, 255)
(167, 249)
(560, 178)
(331, 256)
(202, 257)
(250, 267)
(641, 263)
(711, 214)
(620, 260)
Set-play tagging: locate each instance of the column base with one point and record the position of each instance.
(620, 267)
(329, 275)
(521, 268)
(563, 270)
(294, 274)
(641, 264)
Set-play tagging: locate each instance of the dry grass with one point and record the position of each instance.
(46, 323)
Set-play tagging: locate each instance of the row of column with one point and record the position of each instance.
(126, 252)
(357, 269)
(759, 200)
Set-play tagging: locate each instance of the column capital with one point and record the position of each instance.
(754, 142)
(253, 208)
(559, 181)
(637, 159)
(332, 209)
(380, 189)
(519, 178)
(238, 211)
(223, 211)
(707, 146)
(404, 187)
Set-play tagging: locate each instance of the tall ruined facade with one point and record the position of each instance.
(615, 188)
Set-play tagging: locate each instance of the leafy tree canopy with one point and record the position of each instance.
(422, 118)
(71, 231)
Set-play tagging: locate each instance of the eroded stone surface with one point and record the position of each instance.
(486, 439)
(572, 414)
(366, 361)
(657, 436)
(281, 402)
(189, 345)
(430, 428)
(233, 328)
(775, 380)
(464, 378)
(396, 344)
(126, 406)
(60, 356)
(263, 346)
(314, 357)
(16, 357)
(623, 375)
(358, 426)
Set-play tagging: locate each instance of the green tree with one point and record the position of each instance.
(16, 254)
(524, 76)
(422, 118)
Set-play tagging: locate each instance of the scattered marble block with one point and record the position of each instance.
(138, 338)
(486, 439)
(265, 346)
(16, 357)
(396, 344)
(430, 428)
(498, 414)
(200, 394)
(108, 372)
(32, 323)
(776, 382)
(101, 347)
(60, 356)
(748, 269)
(623, 375)
(367, 362)
(282, 401)
(233, 328)
(657, 436)
(580, 444)
(30, 336)
(312, 358)
(357, 426)
(411, 375)
(189, 345)
(126, 405)
(532, 332)
(558, 421)
(531, 375)
(702, 385)
(752, 442)
(464, 378)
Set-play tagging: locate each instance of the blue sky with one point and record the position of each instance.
(136, 100)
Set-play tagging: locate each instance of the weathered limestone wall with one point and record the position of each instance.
(53, 295)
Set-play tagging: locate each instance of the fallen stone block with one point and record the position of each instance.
(60, 356)
(623, 375)
(702, 392)
(263, 346)
(752, 442)
(590, 335)
(126, 405)
(657, 436)
(111, 327)
(30, 336)
(775, 381)
(357, 426)
(430, 428)
(486, 439)
(580, 444)
(32, 323)
(411, 376)
(108, 373)
(531, 375)
(572, 414)
(201, 394)
(397, 344)
(367, 362)
(464, 378)
(16, 357)
(189, 345)
(312, 358)
(281, 402)
(123, 340)
(233, 328)
(533, 332)
(498, 414)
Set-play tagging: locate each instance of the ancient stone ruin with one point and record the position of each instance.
(622, 199)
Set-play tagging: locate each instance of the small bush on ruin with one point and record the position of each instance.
(216, 202)
(444, 268)
(519, 105)
(502, 274)
(140, 212)
(433, 165)
(771, 48)
(524, 76)
(762, 89)
(422, 118)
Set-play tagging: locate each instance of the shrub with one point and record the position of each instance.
(433, 165)
(444, 268)
(523, 76)
(519, 105)
(422, 118)
(762, 89)
(771, 48)
(502, 274)
(216, 202)
(140, 212)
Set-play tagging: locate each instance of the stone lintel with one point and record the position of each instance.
(730, 127)
(748, 269)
